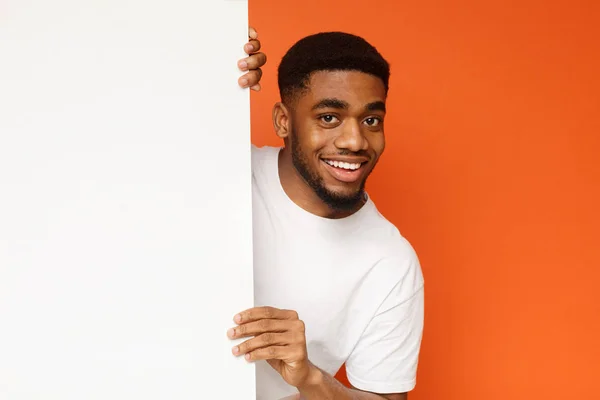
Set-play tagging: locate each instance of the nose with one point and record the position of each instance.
(351, 137)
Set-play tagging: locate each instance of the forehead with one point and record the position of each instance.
(353, 87)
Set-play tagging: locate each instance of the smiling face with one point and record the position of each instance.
(334, 135)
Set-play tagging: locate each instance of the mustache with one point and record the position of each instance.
(350, 153)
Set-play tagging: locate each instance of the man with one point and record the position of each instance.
(335, 282)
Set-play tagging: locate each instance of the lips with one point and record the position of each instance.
(346, 171)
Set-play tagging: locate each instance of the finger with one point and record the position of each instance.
(258, 313)
(252, 46)
(284, 353)
(264, 340)
(257, 327)
(256, 87)
(255, 61)
(250, 78)
(252, 34)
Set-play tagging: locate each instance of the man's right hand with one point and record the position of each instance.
(252, 63)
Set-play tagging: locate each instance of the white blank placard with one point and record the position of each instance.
(125, 199)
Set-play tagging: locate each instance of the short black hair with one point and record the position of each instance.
(328, 51)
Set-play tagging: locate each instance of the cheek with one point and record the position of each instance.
(377, 143)
(314, 139)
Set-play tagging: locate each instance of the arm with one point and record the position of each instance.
(321, 385)
(384, 360)
(278, 337)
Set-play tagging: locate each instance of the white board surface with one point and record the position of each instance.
(125, 199)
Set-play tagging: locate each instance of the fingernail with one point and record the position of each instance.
(247, 356)
(244, 82)
(231, 332)
(243, 64)
(238, 318)
(236, 350)
(249, 47)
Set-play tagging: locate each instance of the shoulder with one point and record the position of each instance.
(263, 154)
(386, 235)
(265, 179)
(264, 166)
(404, 269)
(386, 356)
(399, 260)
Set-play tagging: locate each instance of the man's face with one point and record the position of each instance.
(337, 135)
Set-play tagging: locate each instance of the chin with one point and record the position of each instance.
(343, 188)
(345, 191)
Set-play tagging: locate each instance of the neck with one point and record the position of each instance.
(302, 194)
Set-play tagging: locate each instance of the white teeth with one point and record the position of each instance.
(343, 165)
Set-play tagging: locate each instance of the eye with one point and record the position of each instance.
(328, 119)
(373, 121)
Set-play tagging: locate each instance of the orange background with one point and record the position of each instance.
(492, 171)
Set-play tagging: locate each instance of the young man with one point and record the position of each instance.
(335, 282)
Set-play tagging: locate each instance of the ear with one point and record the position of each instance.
(281, 120)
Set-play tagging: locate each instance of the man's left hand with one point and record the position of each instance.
(278, 337)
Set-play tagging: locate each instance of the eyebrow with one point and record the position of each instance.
(376, 106)
(343, 105)
(331, 103)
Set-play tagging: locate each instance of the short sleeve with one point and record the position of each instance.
(386, 357)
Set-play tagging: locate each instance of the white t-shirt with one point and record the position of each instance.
(355, 282)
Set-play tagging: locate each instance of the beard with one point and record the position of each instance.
(335, 201)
